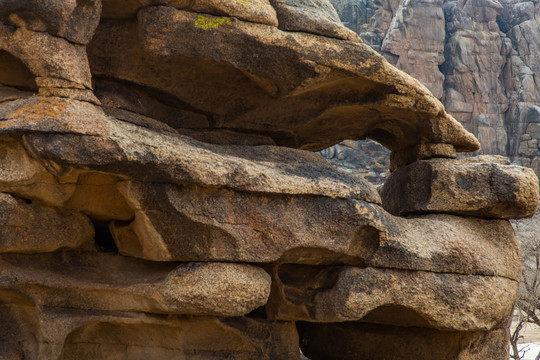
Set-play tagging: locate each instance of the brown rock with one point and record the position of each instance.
(23, 176)
(61, 334)
(97, 281)
(369, 341)
(28, 228)
(108, 145)
(291, 71)
(464, 187)
(73, 20)
(47, 56)
(97, 196)
(202, 224)
(174, 223)
(208, 338)
(394, 297)
(142, 101)
(312, 16)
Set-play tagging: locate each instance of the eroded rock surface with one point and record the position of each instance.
(159, 199)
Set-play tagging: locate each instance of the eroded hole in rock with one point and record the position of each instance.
(13, 72)
(104, 240)
(366, 158)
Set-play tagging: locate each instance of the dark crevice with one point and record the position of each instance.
(258, 313)
(103, 238)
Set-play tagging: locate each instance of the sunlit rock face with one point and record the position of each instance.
(480, 58)
(161, 197)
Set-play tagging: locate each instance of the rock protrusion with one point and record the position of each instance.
(469, 187)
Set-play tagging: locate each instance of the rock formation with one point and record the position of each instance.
(480, 58)
(160, 198)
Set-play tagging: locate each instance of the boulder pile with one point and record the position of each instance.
(160, 197)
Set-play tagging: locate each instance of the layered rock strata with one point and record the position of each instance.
(159, 201)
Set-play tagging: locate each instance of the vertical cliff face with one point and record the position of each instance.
(481, 58)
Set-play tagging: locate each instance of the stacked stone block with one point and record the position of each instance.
(158, 199)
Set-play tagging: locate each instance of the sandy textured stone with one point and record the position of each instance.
(369, 341)
(191, 339)
(96, 195)
(393, 297)
(312, 16)
(26, 177)
(47, 56)
(291, 71)
(201, 224)
(54, 333)
(97, 281)
(73, 20)
(464, 187)
(27, 228)
(117, 158)
(86, 139)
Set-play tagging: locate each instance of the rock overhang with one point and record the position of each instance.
(345, 89)
(236, 74)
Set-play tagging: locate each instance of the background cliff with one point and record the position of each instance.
(481, 58)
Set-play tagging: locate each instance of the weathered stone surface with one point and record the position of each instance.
(143, 177)
(47, 56)
(293, 70)
(312, 16)
(97, 281)
(394, 297)
(59, 334)
(96, 195)
(28, 228)
(369, 341)
(26, 177)
(206, 338)
(464, 187)
(87, 139)
(73, 20)
(258, 11)
(201, 224)
(16, 80)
